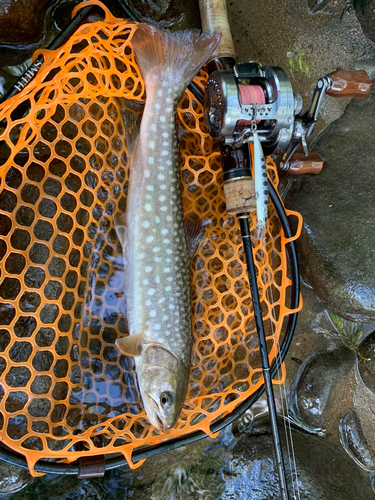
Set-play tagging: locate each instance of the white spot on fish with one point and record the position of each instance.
(169, 218)
(171, 306)
(147, 173)
(168, 162)
(159, 93)
(151, 291)
(157, 326)
(170, 278)
(157, 106)
(168, 288)
(148, 269)
(145, 282)
(167, 269)
(165, 317)
(151, 160)
(163, 208)
(148, 302)
(150, 187)
(169, 251)
(157, 219)
(161, 300)
(161, 177)
(166, 240)
(165, 134)
(162, 118)
(157, 279)
(153, 127)
(148, 207)
(156, 249)
(149, 239)
(157, 259)
(153, 313)
(164, 231)
(168, 100)
(164, 153)
(151, 144)
(162, 186)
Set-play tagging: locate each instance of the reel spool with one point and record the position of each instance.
(234, 101)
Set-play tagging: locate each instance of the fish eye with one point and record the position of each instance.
(166, 399)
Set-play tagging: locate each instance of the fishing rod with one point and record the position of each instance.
(239, 193)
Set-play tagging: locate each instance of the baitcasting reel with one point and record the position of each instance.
(235, 101)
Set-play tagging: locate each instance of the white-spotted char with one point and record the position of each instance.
(261, 187)
(157, 264)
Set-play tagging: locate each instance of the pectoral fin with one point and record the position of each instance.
(131, 345)
(194, 231)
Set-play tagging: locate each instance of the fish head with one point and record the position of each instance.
(163, 382)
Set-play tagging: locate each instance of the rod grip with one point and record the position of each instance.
(214, 17)
(349, 84)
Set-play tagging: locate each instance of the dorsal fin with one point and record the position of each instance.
(131, 345)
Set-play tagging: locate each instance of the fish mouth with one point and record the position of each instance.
(154, 415)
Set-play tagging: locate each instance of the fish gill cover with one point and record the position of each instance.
(65, 389)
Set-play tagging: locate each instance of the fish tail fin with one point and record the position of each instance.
(177, 57)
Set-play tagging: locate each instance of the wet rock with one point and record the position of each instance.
(314, 390)
(12, 478)
(317, 5)
(324, 471)
(22, 21)
(339, 215)
(366, 362)
(170, 14)
(22, 24)
(368, 65)
(365, 11)
(354, 441)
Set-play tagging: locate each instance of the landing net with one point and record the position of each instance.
(65, 389)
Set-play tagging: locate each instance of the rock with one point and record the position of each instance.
(336, 247)
(368, 65)
(366, 362)
(314, 390)
(22, 26)
(12, 478)
(365, 11)
(354, 441)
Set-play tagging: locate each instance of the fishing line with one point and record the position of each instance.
(268, 272)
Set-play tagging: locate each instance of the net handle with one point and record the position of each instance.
(214, 17)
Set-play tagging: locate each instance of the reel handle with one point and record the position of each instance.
(349, 84)
(214, 17)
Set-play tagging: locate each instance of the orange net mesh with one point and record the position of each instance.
(65, 389)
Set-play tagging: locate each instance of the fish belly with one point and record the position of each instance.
(156, 257)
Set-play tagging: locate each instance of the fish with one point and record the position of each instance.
(261, 187)
(154, 237)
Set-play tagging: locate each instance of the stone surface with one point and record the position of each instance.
(366, 362)
(354, 441)
(12, 478)
(315, 387)
(336, 247)
(365, 10)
